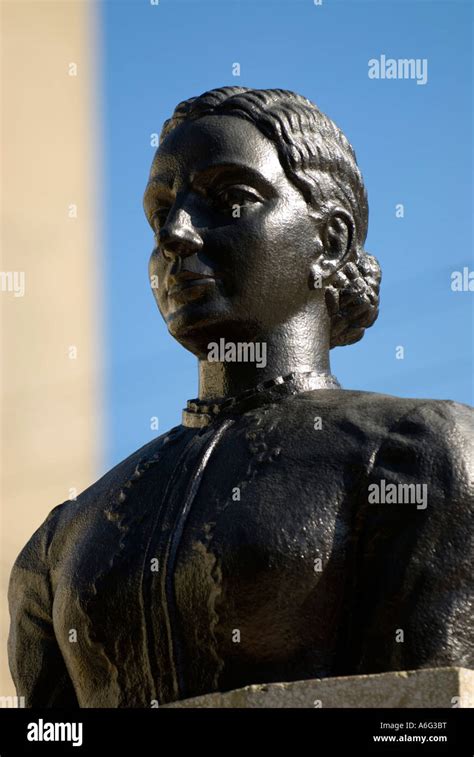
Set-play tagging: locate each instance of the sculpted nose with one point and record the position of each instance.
(178, 236)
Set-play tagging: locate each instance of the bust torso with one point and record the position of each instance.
(250, 550)
(177, 587)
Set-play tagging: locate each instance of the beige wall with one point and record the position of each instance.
(50, 405)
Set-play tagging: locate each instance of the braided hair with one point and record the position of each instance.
(318, 159)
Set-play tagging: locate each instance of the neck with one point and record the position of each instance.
(300, 344)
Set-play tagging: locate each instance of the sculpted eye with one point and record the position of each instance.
(237, 194)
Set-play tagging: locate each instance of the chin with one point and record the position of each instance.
(197, 324)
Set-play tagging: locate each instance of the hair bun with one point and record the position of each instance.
(352, 299)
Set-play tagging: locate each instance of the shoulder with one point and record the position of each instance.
(413, 534)
(426, 448)
(427, 439)
(432, 437)
(387, 407)
(68, 520)
(443, 421)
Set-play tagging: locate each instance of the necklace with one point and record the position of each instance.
(200, 413)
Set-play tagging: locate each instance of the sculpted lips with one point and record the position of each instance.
(189, 284)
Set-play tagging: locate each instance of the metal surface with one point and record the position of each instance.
(256, 542)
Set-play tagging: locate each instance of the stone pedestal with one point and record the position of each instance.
(429, 687)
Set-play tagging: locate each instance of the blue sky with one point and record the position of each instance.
(413, 144)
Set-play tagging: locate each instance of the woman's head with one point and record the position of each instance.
(318, 161)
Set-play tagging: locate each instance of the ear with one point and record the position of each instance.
(335, 242)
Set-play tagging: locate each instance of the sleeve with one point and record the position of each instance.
(36, 663)
(413, 571)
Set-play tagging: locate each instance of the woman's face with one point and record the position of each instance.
(234, 237)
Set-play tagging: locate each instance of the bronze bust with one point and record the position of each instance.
(288, 528)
